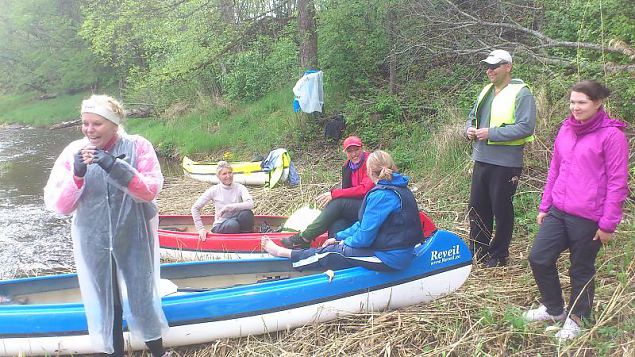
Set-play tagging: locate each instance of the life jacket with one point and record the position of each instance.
(402, 229)
(427, 225)
(503, 110)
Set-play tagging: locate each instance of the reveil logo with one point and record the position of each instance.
(442, 256)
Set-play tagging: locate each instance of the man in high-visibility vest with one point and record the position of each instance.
(500, 123)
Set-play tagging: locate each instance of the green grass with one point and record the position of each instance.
(27, 109)
(243, 129)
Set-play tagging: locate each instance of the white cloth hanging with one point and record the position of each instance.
(309, 93)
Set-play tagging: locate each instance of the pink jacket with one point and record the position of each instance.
(63, 192)
(588, 175)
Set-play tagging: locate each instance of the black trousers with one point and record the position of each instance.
(241, 222)
(338, 215)
(560, 231)
(155, 346)
(491, 198)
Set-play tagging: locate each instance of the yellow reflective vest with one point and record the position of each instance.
(503, 109)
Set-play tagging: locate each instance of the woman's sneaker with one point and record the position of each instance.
(569, 330)
(295, 242)
(541, 314)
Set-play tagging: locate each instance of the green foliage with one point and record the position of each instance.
(379, 122)
(487, 316)
(256, 71)
(580, 20)
(178, 53)
(620, 104)
(513, 318)
(159, 49)
(41, 50)
(353, 42)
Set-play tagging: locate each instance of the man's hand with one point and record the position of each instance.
(471, 133)
(323, 199)
(202, 235)
(482, 133)
(603, 236)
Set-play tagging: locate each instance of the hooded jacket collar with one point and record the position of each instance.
(599, 120)
(397, 180)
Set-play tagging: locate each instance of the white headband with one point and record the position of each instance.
(91, 106)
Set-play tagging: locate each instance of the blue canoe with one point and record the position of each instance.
(231, 298)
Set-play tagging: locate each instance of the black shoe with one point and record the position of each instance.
(496, 262)
(265, 228)
(295, 242)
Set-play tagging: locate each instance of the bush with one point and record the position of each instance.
(255, 72)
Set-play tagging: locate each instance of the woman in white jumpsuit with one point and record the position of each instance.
(109, 180)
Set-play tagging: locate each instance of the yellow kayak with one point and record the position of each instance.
(246, 173)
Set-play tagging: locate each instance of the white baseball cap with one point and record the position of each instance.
(498, 56)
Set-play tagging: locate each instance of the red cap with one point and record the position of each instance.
(351, 141)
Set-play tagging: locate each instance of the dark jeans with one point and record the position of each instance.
(338, 215)
(491, 197)
(560, 231)
(336, 256)
(241, 222)
(155, 346)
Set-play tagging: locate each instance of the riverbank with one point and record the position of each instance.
(206, 131)
(29, 109)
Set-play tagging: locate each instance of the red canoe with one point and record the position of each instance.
(179, 240)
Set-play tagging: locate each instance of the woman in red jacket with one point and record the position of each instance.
(341, 204)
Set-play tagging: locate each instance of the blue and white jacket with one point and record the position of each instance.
(389, 223)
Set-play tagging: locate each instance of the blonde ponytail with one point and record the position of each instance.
(380, 166)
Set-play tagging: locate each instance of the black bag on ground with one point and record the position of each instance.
(335, 127)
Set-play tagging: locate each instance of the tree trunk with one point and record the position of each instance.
(308, 35)
(226, 8)
(392, 56)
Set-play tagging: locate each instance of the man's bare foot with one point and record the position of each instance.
(272, 248)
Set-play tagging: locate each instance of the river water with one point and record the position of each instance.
(34, 241)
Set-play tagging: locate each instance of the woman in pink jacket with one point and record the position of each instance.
(108, 181)
(581, 205)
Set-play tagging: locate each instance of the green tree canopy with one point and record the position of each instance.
(40, 49)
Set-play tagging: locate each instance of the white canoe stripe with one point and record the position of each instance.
(317, 256)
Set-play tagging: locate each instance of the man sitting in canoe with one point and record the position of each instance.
(232, 205)
(382, 239)
(342, 204)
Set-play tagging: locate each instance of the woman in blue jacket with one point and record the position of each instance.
(384, 236)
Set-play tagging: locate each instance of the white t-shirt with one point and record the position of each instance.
(234, 197)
